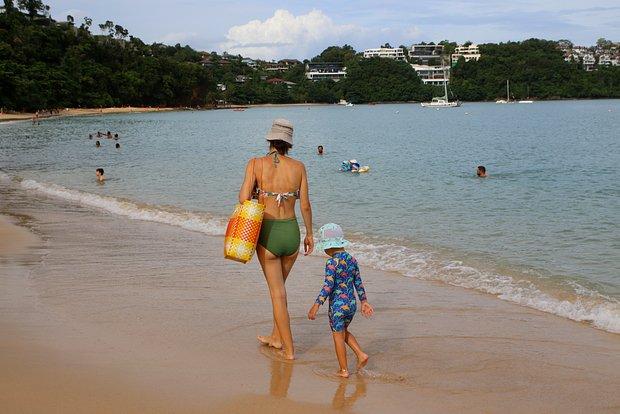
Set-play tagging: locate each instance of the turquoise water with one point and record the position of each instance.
(542, 231)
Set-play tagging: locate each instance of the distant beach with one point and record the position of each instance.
(28, 116)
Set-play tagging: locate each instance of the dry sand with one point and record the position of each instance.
(107, 314)
(82, 112)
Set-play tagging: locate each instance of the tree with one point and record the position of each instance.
(32, 7)
(107, 26)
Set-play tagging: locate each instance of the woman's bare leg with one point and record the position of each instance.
(274, 340)
(362, 358)
(272, 268)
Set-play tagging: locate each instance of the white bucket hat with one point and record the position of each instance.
(331, 236)
(281, 130)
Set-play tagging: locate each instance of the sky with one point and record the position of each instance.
(275, 29)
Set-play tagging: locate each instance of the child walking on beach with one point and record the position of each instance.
(342, 276)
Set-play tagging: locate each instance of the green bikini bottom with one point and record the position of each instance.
(280, 237)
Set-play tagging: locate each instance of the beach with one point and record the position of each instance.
(101, 313)
(26, 116)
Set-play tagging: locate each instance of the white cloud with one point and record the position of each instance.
(286, 35)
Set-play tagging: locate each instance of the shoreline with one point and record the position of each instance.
(27, 116)
(143, 316)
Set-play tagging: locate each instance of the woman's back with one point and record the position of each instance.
(280, 183)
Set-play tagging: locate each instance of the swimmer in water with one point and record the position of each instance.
(100, 176)
(115, 136)
(481, 171)
(320, 150)
(97, 144)
(118, 145)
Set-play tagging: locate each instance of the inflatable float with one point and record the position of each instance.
(354, 167)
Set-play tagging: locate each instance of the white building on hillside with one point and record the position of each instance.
(319, 71)
(395, 53)
(250, 62)
(426, 54)
(607, 60)
(470, 52)
(432, 75)
(588, 62)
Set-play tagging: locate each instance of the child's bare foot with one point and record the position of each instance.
(362, 361)
(283, 354)
(342, 373)
(269, 341)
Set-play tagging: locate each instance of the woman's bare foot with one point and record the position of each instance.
(362, 361)
(283, 354)
(342, 373)
(269, 341)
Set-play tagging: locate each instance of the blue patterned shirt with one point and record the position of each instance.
(342, 276)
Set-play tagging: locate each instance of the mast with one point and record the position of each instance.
(445, 83)
(508, 89)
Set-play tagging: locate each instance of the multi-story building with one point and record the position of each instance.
(395, 53)
(470, 52)
(608, 60)
(426, 54)
(588, 62)
(318, 71)
(432, 75)
(250, 62)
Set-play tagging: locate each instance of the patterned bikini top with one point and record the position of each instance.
(278, 196)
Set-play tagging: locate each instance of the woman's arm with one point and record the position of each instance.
(306, 212)
(245, 193)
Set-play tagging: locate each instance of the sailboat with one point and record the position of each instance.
(507, 100)
(443, 101)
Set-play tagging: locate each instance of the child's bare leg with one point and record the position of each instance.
(341, 353)
(362, 358)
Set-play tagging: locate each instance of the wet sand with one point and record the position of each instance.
(105, 314)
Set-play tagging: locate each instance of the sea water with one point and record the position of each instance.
(543, 230)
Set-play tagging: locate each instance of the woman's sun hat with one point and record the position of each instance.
(281, 130)
(331, 236)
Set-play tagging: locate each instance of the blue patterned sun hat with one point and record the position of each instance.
(331, 236)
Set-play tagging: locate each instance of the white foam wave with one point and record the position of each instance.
(184, 219)
(584, 305)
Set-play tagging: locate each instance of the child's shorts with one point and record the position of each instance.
(339, 319)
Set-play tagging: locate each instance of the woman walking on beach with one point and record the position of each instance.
(278, 180)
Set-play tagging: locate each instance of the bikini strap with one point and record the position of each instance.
(276, 157)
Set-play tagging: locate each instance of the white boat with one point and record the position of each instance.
(507, 100)
(349, 104)
(526, 102)
(442, 101)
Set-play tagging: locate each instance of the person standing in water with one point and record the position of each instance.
(280, 181)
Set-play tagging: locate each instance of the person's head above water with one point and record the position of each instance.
(280, 136)
(320, 149)
(118, 145)
(481, 171)
(115, 135)
(97, 144)
(99, 173)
